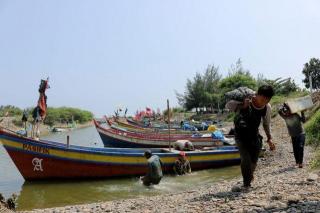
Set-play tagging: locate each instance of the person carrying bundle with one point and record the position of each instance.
(250, 108)
(294, 124)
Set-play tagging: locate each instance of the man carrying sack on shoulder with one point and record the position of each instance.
(249, 113)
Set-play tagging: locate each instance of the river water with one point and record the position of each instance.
(32, 195)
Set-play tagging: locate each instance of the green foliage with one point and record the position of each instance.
(237, 80)
(238, 77)
(312, 69)
(313, 137)
(312, 128)
(202, 90)
(207, 90)
(315, 162)
(165, 113)
(177, 110)
(11, 110)
(67, 114)
(280, 86)
(230, 116)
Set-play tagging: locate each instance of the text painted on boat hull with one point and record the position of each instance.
(38, 149)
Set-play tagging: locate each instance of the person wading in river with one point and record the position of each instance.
(182, 164)
(154, 173)
(247, 121)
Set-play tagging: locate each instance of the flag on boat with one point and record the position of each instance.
(42, 101)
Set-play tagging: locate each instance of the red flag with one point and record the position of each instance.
(42, 102)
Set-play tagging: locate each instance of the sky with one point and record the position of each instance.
(100, 55)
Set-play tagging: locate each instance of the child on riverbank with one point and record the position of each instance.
(294, 124)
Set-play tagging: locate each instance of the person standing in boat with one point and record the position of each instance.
(182, 164)
(154, 173)
(248, 117)
(294, 124)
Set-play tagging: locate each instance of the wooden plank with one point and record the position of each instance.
(300, 104)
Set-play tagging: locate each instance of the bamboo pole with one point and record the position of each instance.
(168, 110)
(310, 82)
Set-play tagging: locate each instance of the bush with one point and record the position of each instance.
(312, 128)
(67, 114)
(11, 110)
(178, 110)
(230, 116)
(315, 162)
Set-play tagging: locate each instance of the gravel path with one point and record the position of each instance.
(278, 187)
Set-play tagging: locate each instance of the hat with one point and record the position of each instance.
(183, 154)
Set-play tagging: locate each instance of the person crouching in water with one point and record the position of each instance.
(182, 165)
(294, 124)
(154, 173)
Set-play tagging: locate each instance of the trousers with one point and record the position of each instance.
(249, 149)
(298, 147)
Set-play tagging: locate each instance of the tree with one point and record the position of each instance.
(238, 77)
(238, 68)
(237, 80)
(280, 86)
(11, 110)
(193, 94)
(211, 80)
(312, 69)
(201, 91)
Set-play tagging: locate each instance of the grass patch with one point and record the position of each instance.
(315, 162)
(312, 128)
(230, 117)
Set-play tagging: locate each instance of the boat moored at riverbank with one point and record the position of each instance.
(112, 136)
(37, 160)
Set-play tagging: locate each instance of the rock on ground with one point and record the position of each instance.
(3, 209)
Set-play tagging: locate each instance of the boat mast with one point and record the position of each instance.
(168, 110)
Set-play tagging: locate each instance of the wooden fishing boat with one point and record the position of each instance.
(118, 137)
(129, 127)
(38, 160)
(162, 126)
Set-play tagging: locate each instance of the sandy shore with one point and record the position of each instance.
(278, 187)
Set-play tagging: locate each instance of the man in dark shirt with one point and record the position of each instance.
(247, 121)
(154, 173)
